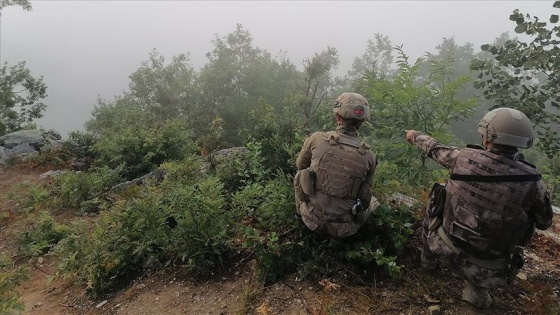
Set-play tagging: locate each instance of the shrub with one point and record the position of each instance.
(182, 220)
(201, 238)
(39, 236)
(82, 191)
(137, 150)
(9, 279)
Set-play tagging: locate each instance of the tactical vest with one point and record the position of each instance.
(342, 165)
(488, 219)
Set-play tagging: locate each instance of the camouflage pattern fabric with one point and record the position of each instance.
(322, 212)
(533, 196)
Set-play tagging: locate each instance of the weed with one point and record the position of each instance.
(10, 302)
(41, 234)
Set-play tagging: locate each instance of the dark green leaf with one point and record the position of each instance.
(553, 18)
(485, 47)
(520, 28)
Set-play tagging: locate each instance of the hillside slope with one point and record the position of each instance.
(236, 291)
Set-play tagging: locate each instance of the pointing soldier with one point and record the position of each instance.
(489, 208)
(335, 174)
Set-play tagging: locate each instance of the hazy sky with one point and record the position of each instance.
(86, 49)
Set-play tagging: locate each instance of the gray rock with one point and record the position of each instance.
(52, 173)
(225, 156)
(157, 175)
(27, 142)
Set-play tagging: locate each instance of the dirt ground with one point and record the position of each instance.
(535, 290)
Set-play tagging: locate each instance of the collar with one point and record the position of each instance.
(352, 132)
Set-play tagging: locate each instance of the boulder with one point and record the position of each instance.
(24, 143)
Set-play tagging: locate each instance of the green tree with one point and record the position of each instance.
(158, 92)
(237, 78)
(318, 83)
(409, 101)
(374, 64)
(21, 97)
(526, 75)
(164, 91)
(25, 4)
(451, 61)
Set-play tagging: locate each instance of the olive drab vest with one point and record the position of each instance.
(342, 165)
(488, 218)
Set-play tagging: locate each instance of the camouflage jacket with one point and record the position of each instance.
(324, 212)
(489, 212)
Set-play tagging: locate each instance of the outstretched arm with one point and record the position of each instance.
(442, 154)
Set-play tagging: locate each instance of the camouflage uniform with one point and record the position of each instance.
(328, 209)
(485, 220)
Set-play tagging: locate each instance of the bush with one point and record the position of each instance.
(137, 150)
(39, 236)
(201, 238)
(83, 191)
(182, 220)
(9, 279)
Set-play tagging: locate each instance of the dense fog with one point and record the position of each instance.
(87, 49)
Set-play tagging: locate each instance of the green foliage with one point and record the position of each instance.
(81, 145)
(236, 79)
(204, 228)
(317, 84)
(10, 302)
(20, 97)
(525, 76)
(263, 208)
(373, 65)
(41, 234)
(24, 4)
(411, 101)
(136, 233)
(274, 256)
(391, 226)
(243, 96)
(387, 232)
(162, 91)
(365, 253)
(83, 191)
(139, 149)
(278, 134)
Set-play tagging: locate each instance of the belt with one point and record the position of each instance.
(496, 264)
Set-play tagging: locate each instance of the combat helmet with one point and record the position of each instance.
(351, 106)
(507, 126)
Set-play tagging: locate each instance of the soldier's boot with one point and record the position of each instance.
(477, 296)
(428, 260)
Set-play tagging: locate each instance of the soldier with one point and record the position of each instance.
(489, 207)
(335, 174)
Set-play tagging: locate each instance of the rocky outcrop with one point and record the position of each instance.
(26, 143)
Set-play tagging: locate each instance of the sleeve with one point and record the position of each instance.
(541, 209)
(371, 171)
(442, 154)
(303, 160)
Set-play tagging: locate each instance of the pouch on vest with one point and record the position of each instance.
(307, 181)
(437, 200)
(364, 194)
(300, 195)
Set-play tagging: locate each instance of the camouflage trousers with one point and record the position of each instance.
(335, 220)
(460, 263)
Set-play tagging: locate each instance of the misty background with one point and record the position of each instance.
(86, 50)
